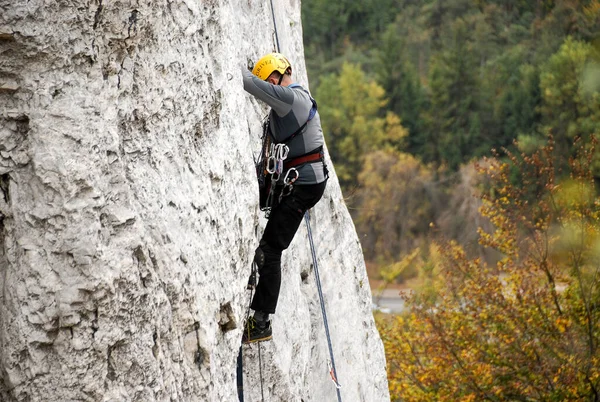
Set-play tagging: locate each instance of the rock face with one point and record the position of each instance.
(129, 217)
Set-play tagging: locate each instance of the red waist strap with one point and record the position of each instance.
(317, 156)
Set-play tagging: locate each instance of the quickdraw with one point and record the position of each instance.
(274, 166)
(278, 153)
(332, 374)
(288, 182)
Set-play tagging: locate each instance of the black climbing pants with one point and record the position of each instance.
(284, 221)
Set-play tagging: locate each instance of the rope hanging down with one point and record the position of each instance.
(275, 26)
(332, 371)
(240, 360)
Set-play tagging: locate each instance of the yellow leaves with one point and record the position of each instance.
(423, 377)
(562, 324)
(578, 234)
(392, 271)
(592, 10)
(351, 115)
(575, 195)
(517, 327)
(395, 133)
(392, 206)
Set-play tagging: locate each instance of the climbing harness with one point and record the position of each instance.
(315, 156)
(273, 161)
(331, 363)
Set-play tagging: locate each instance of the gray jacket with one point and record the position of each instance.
(290, 108)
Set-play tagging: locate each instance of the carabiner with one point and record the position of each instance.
(284, 150)
(271, 165)
(287, 180)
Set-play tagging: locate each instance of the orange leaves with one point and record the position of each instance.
(527, 328)
(562, 324)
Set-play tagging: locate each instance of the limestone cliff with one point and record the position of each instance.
(128, 212)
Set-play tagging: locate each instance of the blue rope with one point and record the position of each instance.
(275, 27)
(318, 280)
(240, 375)
(314, 257)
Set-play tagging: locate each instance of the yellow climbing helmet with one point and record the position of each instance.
(269, 63)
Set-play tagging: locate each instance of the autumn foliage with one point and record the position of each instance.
(526, 328)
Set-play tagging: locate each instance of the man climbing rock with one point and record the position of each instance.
(298, 175)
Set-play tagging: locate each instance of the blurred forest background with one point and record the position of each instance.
(463, 133)
(411, 92)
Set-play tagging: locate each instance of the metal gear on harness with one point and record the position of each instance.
(288, 182)
(275, 167)
(278, 153)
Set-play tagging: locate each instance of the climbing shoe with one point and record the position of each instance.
(254, 332)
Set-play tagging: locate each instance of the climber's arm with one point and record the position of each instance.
(278, 97)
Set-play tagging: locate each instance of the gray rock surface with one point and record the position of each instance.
(128, 212)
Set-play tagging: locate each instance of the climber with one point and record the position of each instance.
(293, 121)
